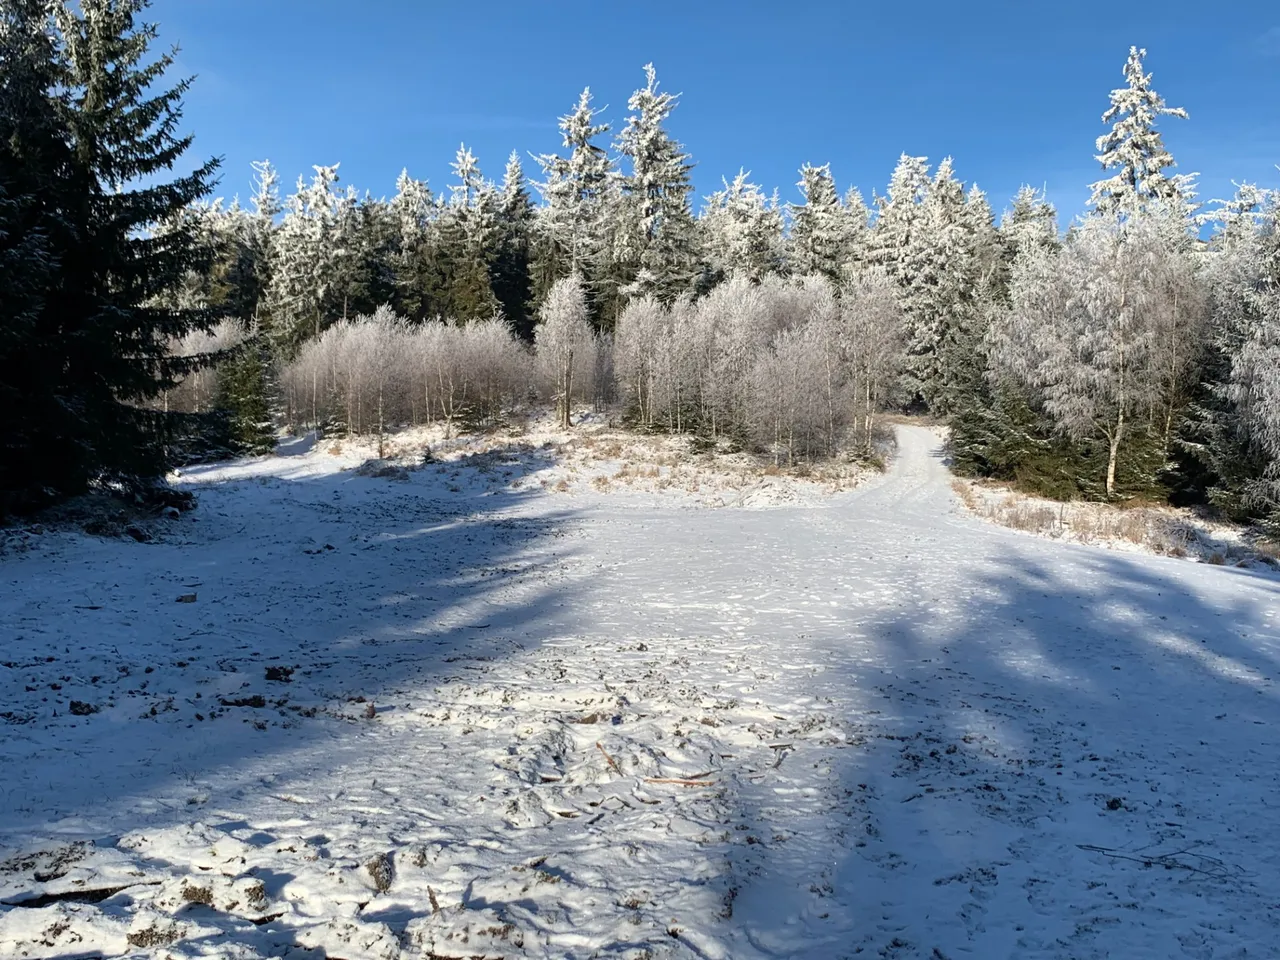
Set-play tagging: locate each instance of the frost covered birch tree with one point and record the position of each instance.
(562, 339)
(1091, 328)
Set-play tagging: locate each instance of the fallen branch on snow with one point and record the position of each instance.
(612, 762)
(1214, 867)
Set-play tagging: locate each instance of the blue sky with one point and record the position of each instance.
(1012, 90)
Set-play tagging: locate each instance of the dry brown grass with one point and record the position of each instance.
(636, 471)
(1148, 527)
(1269, 550)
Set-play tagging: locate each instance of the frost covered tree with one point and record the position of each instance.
(856, 231)
(781, 365)
(1230, 465)
(656, 242)
(1094, 329)
(511, 270)
(1030, 224)
(1134, 148)
(940, 247)
(470, 233)
(873, 328)
(819, 230)
(413, 260)
(577, 195)
(562, 339)
(370, 373)
(898, 213)
(304, 253)
(742, 230)
(992, 430)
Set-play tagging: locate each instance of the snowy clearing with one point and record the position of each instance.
(453, 713)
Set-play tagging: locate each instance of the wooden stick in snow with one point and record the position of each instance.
(612, 762)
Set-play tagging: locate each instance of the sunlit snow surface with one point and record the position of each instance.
(902, 733)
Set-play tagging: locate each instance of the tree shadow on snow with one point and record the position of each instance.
(297, 607)
(1079, 757)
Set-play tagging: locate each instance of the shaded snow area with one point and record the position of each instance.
(451, 713)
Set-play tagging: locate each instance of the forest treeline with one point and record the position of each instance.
(1136, 354)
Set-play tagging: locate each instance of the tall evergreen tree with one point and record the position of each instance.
(34, 157)
(511, 272)
(470, 233)
(102, 333)
(889, 245)
(305, 256)
(412, 218)
(1222, 458)
(1134, 148)
(818, 227)
(656, 245)
(856, 232)
(577, 196)
(742, 231)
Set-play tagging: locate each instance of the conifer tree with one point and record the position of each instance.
(577, 193)
(1222, 458)
(104, 329)
(818, 226)
(897, 214)
(742, 231)
(856, 232)
(1134, 148)
(33, 156)
(305, 256)
(656, 245)
(412, 220)
(1030, 223)
(512, 278)
(470, 233)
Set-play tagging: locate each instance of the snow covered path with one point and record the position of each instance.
(615, 725)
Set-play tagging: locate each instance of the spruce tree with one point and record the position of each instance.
(818, 227)
(742, 231)
(1134, 148)
(1220, 458)
(856, 232)
(511, 272)
(97, 154)
(412, 219)
(570, 231)
(305, 258)
(656, 245)
(470, 232)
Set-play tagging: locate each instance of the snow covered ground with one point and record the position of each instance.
(453, 713)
